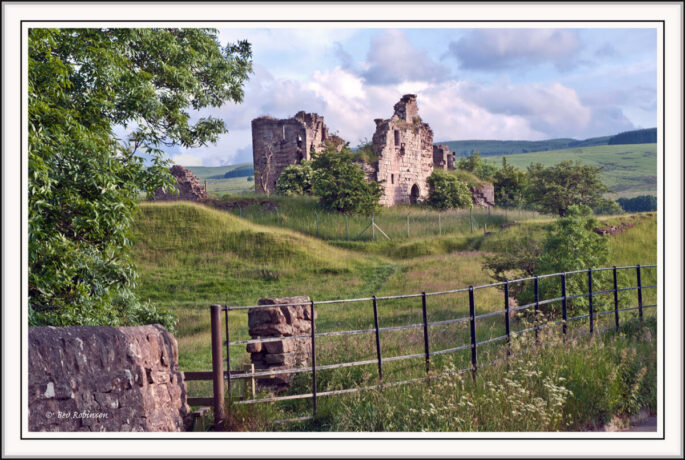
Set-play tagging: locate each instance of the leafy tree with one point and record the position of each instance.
(569, 244)
(510, 186)
(296, 179)
(556, 188)
(607, 207)
(475, 164)
(83, 181)
(641, 203)
(446, 191)
(340, 183)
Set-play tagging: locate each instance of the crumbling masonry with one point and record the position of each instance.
(279, 143)
(403, 144)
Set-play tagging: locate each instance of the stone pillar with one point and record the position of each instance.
(284, 321)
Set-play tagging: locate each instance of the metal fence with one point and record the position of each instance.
(221, 377)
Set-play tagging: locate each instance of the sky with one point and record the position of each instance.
(484, 83)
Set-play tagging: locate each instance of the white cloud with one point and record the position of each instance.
(185, 159)
(502, 48)
(393, 58)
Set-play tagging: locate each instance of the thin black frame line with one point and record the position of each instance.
(21, 162)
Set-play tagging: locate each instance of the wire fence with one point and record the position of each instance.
(591, 294)
(385, 225)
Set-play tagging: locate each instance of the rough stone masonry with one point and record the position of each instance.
(101, 378)
(280, 321)
(279, 143)
(187, 184)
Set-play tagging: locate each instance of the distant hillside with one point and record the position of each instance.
(641, 136)
(242, 171)
(627, 169)
(493, 148)
(215, 172)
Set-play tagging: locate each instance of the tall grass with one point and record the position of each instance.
(553, 385)
(398, 223)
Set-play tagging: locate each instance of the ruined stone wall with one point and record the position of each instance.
(443, 157)
(285, 321)
(90, 378)
(404, 145)
(187, 184)
(279, 143)
(483, 195)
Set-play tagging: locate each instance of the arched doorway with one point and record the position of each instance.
(414, 196)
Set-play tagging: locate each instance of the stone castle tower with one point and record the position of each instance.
(404, 145)
(279, 143)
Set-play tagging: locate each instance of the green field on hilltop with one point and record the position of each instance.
(629, 169)
(218, 185)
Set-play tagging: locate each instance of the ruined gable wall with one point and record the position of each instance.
(279, 143)
(443, 158)
(405, 148)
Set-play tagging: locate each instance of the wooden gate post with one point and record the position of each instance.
(217, 367)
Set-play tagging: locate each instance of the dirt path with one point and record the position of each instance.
(648, 424)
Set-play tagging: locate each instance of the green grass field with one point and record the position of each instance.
(191, 256)
(629, 170)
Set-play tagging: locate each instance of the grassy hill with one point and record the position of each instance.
(629, 169)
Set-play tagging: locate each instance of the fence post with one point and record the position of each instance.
(276, 208)
(471, 217)
(373, 227)
(313, 326)
(615, 298)
(347, 228)
(240, 210)
(472, 323)
(425, 332)
(407, 225)
(228, 352)
(537, 306)
(639, 291)
(316, 214)
(506, 316)
(440, 223)
(563, 303)
(589, 287)
(217, 367)
(378, 340)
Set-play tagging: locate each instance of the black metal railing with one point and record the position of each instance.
(220, 377)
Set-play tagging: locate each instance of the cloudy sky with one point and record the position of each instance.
(523, 84)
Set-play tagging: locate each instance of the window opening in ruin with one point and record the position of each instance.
(397, 138)
(392, 178)
(414, 197)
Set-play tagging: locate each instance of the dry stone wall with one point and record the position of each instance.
(483, 195)
(91, 378)
(282, 322)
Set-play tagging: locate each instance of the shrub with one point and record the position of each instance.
(446, 191)
(296, 179)
(641, 203)
(341, 184)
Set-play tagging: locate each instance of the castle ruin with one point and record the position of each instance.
(279, 143)
(403, 144)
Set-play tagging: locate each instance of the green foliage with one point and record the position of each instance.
(366, 152)
(510, 186)
(625, 168)
(641, 203)
(341, 184)
(481, 168)
(571, 245)
(446, 191)
(607, 207)
(640, 136)
(296, 179)
(241, 171)
(83, 181)
(554, 189)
